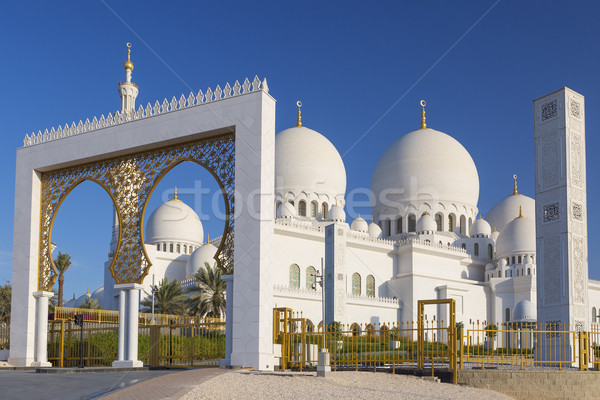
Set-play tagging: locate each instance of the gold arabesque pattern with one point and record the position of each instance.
(129, 181)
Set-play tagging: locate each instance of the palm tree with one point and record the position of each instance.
(208, 296)
(168, 298)
(92, 304)
(62, 263)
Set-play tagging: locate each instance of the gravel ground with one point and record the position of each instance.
(346, 385)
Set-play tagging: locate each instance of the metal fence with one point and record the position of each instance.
(4, 336)
(173, 345)
(434, 345)
(112, 316)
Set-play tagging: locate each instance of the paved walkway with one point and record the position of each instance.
(144, 385)
(172, 386)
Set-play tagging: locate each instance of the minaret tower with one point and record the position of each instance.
(127, 89)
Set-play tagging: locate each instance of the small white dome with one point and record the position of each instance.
(307, 161)
(502, 262)
(174, 221)
(359, 225)
(508, 208)
(336, 213)
(286, 210)
(481, 227)
(527, 260)
(426, 164)
(426, 223)
(203, 254)
(374, 230)
(517, 237)
(81, 299)
(525, 311)
(99, 294)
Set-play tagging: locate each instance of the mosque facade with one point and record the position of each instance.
(427, 238)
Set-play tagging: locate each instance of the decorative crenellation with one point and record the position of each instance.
(118, 118)
(284, 289)
(350, 298)
(411, 241)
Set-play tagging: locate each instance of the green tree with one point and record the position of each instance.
(92, 304)
(168, 298)
(207, 297)
(62, 263)
(5, 297)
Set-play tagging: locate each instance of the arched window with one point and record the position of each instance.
(190, 249)
(370, 328)
(388, 227)
(185, 249)
(302, 208)
(158, 247)
(463, 246)
(311, 278)
(476, 250)
(370, 286)
(171, 247)
(324, 211)
(277, 207)
(164, 247)
(463, 225)
(313, 209)
(507, 260)
(399, 226)
(438, 222)
(451, 223)
(513, 259)
(178, 248)
(490, 251)
(507, 314)
(356, 284)
(294, 276)
(528, 271)
(520, 259)
(355, 328)
(412, 223)
(594, 314)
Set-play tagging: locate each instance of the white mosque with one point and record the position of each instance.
(427, 238)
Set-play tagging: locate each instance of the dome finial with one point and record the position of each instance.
(423, 124)
(521, 212)
(299, 122)
(515, 185)
(207, 238)
(128, 64)
(175, 193)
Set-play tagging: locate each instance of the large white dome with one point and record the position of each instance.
(508, 208)
(307, 161)
(174, 221)
(426, 165)
(517, 237)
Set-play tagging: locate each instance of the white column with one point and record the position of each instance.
(41, 329)
(128, 325)
(122, 323)
(226, 362)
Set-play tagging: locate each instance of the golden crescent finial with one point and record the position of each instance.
(299, 121)
(175, 194)
(128, 64)
(423, 124)
(515, 185)
(128, 45)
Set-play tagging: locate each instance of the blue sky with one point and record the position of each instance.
(358, 68)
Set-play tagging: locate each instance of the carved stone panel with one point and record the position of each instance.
(552, 273)
(576, 160)
(577, 251)
(550, 161)
(549, 110)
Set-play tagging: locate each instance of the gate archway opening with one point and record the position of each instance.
(82, 227)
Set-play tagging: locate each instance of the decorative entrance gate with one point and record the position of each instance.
(230, 132)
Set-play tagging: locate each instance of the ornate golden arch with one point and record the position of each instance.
(129, 181)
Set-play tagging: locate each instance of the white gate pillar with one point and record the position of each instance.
(252, 342)
(41, 329)
(128, 326)
(228, 279)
